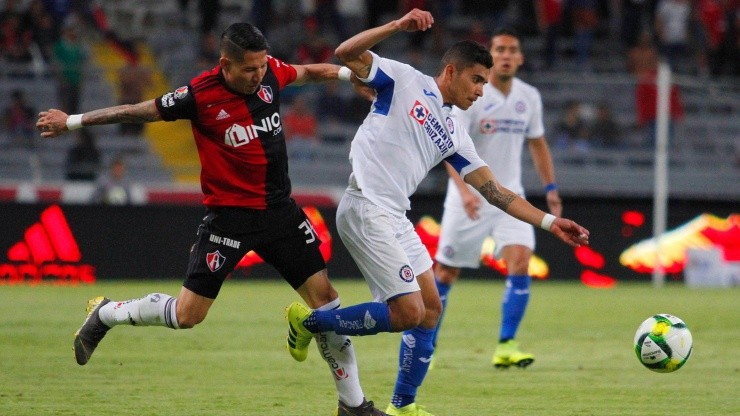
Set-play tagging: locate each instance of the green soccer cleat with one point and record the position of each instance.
(298, 336)
(365, 409)
(408, 410)
(91, 332)
(508, 354)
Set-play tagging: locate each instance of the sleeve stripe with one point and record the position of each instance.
(458, 162)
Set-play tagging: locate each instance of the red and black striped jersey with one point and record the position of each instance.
(239, 137)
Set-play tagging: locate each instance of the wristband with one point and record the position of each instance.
(74, 121)
(552, 186)
(547, 222)
(344, 73)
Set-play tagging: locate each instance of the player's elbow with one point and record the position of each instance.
(342, 53)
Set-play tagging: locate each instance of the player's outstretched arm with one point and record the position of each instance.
(315, 73)
(353, 52)
(497, 195)
(53, 122)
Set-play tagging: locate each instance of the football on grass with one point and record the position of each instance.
(663, 343)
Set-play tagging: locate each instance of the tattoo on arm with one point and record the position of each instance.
(491, 191)
(128, 113)
(365, 70)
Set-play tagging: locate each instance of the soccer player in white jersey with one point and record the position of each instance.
(508, 115)
(408, 131)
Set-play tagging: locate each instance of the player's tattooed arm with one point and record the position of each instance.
(496, 195)
(129, 113)
(53, 122)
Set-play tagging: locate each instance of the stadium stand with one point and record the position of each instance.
(704, 153)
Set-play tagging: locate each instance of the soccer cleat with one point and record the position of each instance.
(408, 410)
(298, 336)
(91, 332)
(508, 354)
(365, 409)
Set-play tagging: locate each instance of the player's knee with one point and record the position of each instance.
(432, 312)
(189, 319)
(518, 265)
(407, 315)
(446, 274)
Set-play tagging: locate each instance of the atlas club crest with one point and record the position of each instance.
(265, 93)
(215, 260)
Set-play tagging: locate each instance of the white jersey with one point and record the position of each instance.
(407, 132)
(499, 125)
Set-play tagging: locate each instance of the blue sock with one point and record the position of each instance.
(363, 319)
(513, 305)
(413, 363)
(444, 290)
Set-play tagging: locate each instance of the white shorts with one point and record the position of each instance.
(461, 238)
(384, 245)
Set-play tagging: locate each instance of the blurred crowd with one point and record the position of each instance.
(697, 37)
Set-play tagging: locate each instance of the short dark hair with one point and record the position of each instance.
(505, 31)
(465, 54)
(241, 37)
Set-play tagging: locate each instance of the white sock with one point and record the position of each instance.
(154, 309)
(339, 354)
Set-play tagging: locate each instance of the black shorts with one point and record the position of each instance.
(282, 236)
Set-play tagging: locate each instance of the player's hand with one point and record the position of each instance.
(569, 232)
(554, 204)
(471, 204)
(415, 20)
(52, 123)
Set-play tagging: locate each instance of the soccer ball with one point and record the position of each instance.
(663, 343)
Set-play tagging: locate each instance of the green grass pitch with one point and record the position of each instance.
(235, 362)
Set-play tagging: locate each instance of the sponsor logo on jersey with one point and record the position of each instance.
(450, 124)
(487, 126)
(222, 115)
(228, 242)
(214, 261)
(238, 135)
(265, 93)
(520, 107)
(434, 129)
(419, 112)
(406, 273)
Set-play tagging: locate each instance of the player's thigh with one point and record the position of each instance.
(294, 252)
(213, 256)
(369, 234)
(461, 238)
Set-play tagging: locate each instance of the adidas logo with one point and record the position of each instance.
(222, 115)
(48, 251)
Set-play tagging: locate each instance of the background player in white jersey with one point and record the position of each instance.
(408, 131)
(508, 114)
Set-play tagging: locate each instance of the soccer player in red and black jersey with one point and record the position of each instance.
(234, 111)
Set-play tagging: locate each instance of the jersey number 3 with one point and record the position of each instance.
(309, 231)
